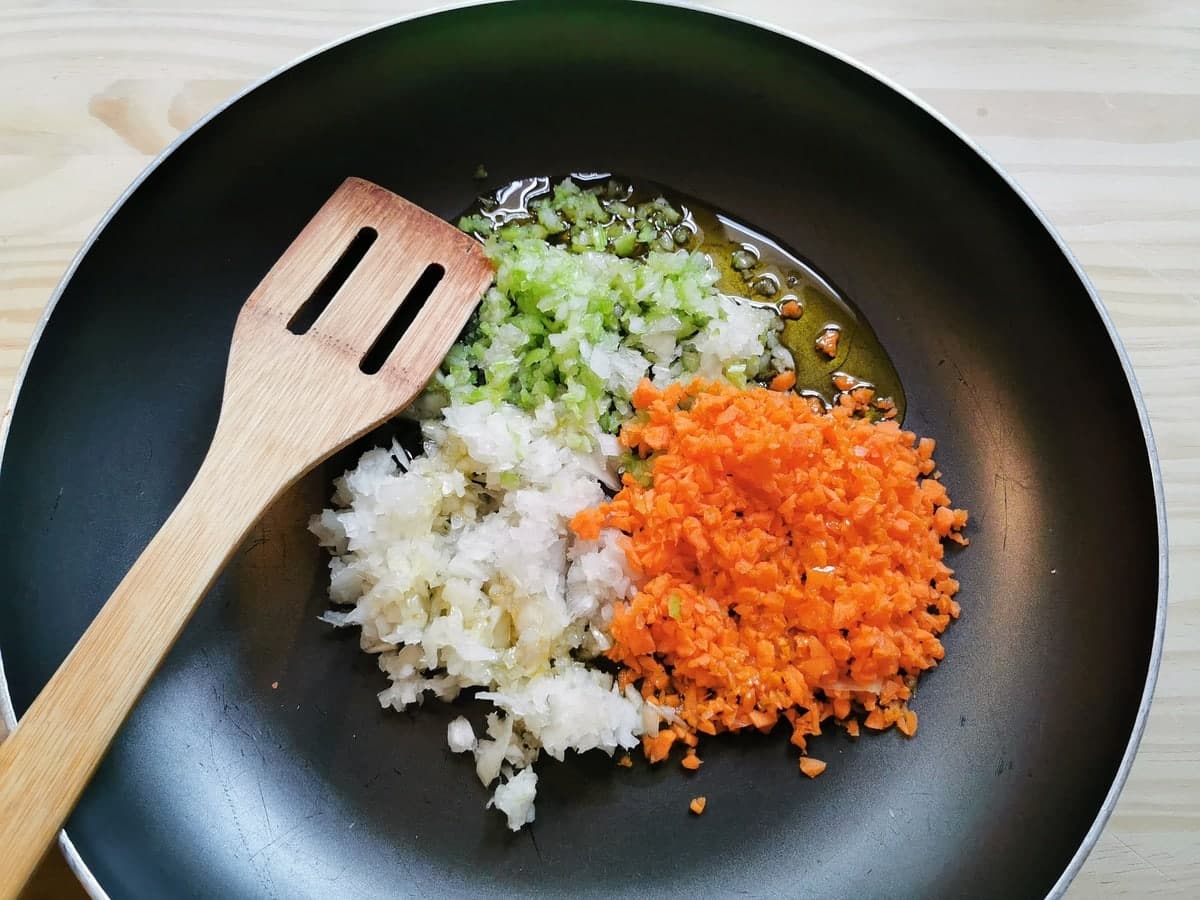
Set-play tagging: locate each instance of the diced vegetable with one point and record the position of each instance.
(790, 564)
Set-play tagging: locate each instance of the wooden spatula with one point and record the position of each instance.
(296, 390)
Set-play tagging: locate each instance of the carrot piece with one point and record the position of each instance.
(587, 523)
(862, 396)
(844, 382)
(656, 438)
(697, 805)
(784, 381)
(625, 762)
(791, 309)
(658, 747)
(812, 767)
(827, 342)
(691, 761)
(644, 394)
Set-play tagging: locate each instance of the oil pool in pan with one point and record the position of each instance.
(832, 344)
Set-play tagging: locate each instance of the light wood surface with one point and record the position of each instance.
(1093, 105)
(294, 394)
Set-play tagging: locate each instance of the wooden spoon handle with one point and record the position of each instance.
(48, 759)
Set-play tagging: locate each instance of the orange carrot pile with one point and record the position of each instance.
(789, 564)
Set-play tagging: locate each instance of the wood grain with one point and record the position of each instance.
(1093, 105)
(290, 401)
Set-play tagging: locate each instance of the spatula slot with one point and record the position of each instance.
(401, 319)
(310, 310)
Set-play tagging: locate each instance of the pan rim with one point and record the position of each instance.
(8, 718)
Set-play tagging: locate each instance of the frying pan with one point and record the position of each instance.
(259, 763)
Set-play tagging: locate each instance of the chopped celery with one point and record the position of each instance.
(585, 304)
(674, 606)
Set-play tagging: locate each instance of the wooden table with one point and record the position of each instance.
(1093, 105)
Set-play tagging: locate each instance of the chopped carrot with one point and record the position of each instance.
(588, 522)
(812, 767)
(789, 563)
(691, 761)
(697, 805)
(784, 381)
(659, 746)
(862, 396)
(827, 341)
(791, 309)
(625, 761)
(844, 382)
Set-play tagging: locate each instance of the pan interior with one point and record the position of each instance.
(222, 785)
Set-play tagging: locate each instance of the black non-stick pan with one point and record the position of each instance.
(224, 785)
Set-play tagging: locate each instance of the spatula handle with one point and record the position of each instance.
(48, 759)
(291, 398)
